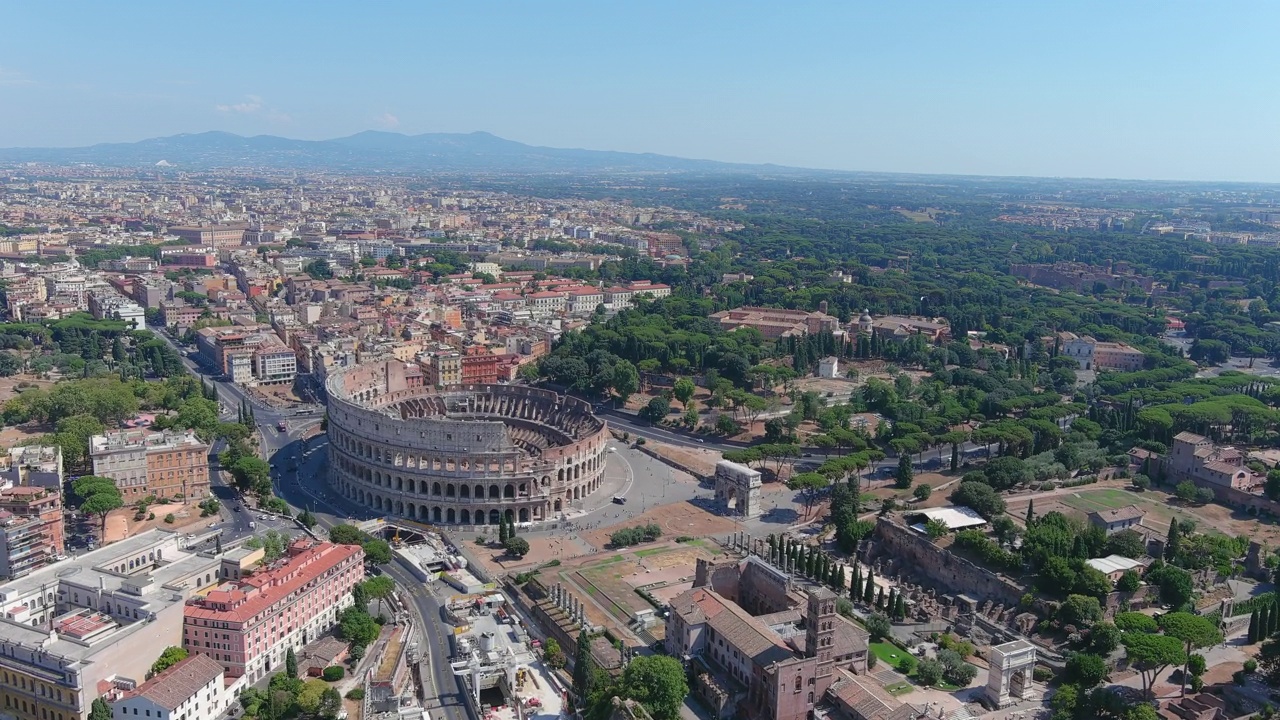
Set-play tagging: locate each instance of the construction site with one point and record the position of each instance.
(494, 657)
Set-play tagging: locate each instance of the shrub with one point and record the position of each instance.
(170, 519)
(1041, 674)
(1251, 666)
(333, 673)
(355, 694)
(627, 537)
(151, 516)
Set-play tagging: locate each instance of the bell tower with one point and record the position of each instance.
(820, 635)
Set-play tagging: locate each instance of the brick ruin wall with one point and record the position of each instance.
(901, 551)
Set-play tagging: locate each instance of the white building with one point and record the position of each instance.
(192, 689)
(829, 367)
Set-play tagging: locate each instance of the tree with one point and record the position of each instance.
(656, 410)
(683, 391)
(1006, 472)
(1185, 491)
(658, 683)
(377, 551)
(1128, 543)
(318, 269)
(380, 588)
(504, 534)
(1079, 610)
(1253, 626)
(1086, 670)
(1136, 622)
(1104, 638)
(878, 626)
(357, 627)
(809, 484)
(869, 593)
(905, 475)
(1194, 630)
(1151, 654)
(291, 664)
(980, 497)
(1129, 582)
(553, 654)
(1175, 584)
(517, 546)
(99, 496)
(346, 535)
(171, 656)
(1173, 543)
(922, 492)
(626, 380)
(582, 669)
(929, 673)
(935, 528)
(99, 710)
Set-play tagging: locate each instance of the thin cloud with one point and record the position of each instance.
(251, 105)
(276, 116)
(9, 77)
(389, 121)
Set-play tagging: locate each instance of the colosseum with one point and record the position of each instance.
(466, 455)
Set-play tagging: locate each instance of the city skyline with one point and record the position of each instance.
(1089, 90)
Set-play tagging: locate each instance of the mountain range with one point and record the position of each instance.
(366, 151)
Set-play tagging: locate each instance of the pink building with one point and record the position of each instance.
(249, 624)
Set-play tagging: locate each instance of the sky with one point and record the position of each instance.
(1133, 89)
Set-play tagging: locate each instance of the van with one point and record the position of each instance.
(619, 499)
(253, 526)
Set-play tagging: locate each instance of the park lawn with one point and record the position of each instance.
(899, 688)
(886, 652)
(651, 551)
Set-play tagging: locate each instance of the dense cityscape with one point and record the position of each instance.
(622, 445)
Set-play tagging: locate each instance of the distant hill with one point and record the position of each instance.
(367, 151)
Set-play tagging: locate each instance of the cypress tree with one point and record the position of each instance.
(868, 594)
(773, 548)
(1253, 626)
(880, 598)
(1031, 512)
(503, 534)
(1174, 542)
(839, 581)
(855, 587)
(1264, 619)
(901, 610)
(290, 664)
(1273, 619)
(582, 669)
(891, 603)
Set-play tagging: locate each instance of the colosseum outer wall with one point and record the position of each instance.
(519, 452)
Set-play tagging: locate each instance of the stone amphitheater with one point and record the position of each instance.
(465, 455)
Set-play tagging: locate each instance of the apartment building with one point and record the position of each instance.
(443, 368)
(249, 624)
(192, 689)
(218, 236)
(480, 367)
(106, 304)
(70, 629)
(275, 364)
(179, 315)
(32, 532)
(144, 462)
(32, 465)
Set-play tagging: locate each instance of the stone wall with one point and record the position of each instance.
(902, 551)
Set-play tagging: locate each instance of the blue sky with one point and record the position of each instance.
(1169, 90)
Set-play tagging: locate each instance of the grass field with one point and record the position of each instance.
(899, 688)
(650, 551)
(1159, 513)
